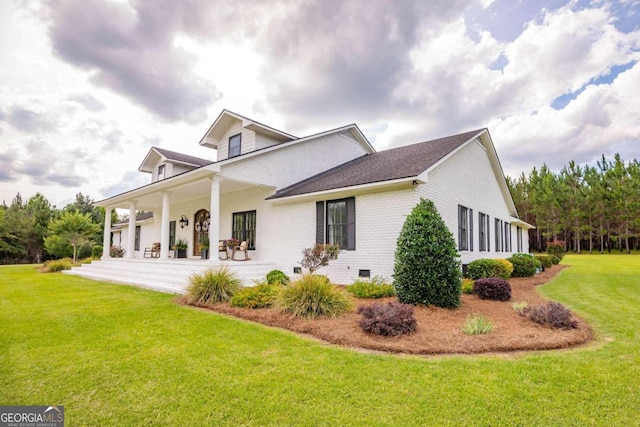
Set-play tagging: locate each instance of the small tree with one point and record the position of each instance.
(427, 270)
(318, 256)
(72, 228)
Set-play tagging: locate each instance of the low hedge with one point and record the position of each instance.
(545, 260)
(489, 267)
(524, 265)
(377, 287)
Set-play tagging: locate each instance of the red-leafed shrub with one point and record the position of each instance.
(551, 314)
(492, 288)
(387, 319)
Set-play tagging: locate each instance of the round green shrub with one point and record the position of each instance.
(524, 265)
(545, 260)
(212, 285)
(427, 269)
(490, 267)
(96, 251)
(277, 276)
(259, 296)
(311, 296)
(556, 248)
(492, 288)
(376, 287)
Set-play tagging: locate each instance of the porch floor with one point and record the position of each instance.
(168, 275)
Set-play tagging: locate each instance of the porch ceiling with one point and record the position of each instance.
(149, 198)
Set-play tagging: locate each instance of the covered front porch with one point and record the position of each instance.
(198, 207)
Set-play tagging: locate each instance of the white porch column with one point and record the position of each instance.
(131, 237)
(214, 215)
(106, 237)
(164, 229)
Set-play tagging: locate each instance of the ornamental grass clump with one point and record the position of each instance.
(492, 288)
(57, 265)
(211, 286)
(377, 287)
(387, 319)
(476, 324)
(311, 296)
(426, 269)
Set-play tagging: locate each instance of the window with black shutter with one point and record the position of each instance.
(336, 222)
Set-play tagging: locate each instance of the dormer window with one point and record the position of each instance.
(162, 172)
(235, 142)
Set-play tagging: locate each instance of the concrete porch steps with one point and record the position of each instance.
(166, 275)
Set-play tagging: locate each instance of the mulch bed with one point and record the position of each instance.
(439, 330)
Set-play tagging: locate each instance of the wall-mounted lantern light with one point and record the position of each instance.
(183, 221)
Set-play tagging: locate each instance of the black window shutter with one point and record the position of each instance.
(320, 234)
(460, 237)
(351, 224)
(470, 216)
(488, 233)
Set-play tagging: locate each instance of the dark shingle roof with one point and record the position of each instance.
(182, 158)
(139, 217)
(396, 163)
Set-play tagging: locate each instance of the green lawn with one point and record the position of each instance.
(117, 355)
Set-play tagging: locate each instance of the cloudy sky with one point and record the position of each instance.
(88, 86)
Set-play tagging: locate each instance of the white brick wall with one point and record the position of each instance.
(468, 179)
(285, 228)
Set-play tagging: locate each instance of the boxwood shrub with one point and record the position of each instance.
(277, 277)
(259, 296)
(489, 267)
(556, 249)
(545, 260)
(492, 288)
(377, 287)
(524, 265)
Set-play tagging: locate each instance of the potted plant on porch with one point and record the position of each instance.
(204, 248)
(181, 248)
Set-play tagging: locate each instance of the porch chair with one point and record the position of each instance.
(153, 251)
(242, 248)
(222, 247)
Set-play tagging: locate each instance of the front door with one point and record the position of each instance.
(200, 229)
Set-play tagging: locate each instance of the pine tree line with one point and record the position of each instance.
(590, 208)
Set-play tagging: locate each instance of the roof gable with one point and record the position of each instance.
(157, 154)
(403, 162)
(227, 118)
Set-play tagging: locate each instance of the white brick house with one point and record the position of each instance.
(282, 194)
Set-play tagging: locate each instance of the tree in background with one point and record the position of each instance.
(585, 206)
(72, 229)
(15, 225)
